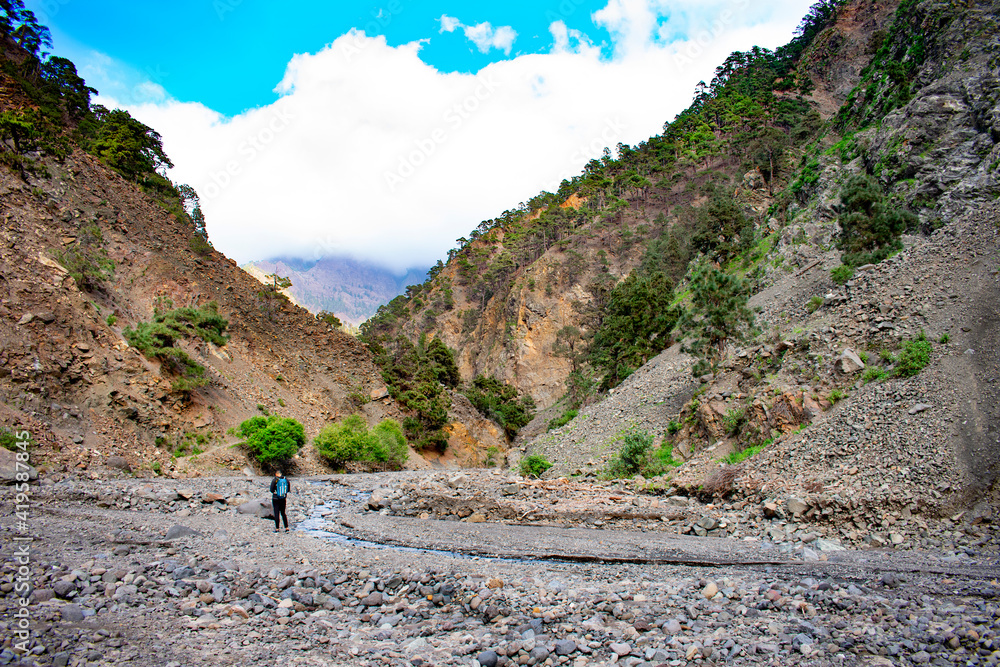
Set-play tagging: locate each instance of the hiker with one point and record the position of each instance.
(279, 492)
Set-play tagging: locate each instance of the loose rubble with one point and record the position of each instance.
(144, 572)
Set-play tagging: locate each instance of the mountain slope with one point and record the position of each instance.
(763, 177)
(62, 357)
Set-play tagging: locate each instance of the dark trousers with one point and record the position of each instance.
(278, 505)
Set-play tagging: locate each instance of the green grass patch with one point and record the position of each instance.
(874, 374)
(562, 420)
(738, 457)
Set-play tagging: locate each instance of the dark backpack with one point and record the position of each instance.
(281, 487)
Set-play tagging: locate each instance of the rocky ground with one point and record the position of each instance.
(160, 572)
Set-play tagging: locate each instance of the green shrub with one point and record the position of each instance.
(534, 465)
(914, 356)
(733, 420)
(814, 303)
(157, 339)
(632, 457)
(944, 339)
(661, 461)
(86, 260)
(327, 317)
(200, 245)
(674, 427)
(111, 320)
(874, 374)
(7, 440)
(190, 443)
(350, 440)
(492, 452)
(870, 226)
(272, 440)
(842, 274)
(562, 420)
(156, 467)
(837, 395)
(500, 402)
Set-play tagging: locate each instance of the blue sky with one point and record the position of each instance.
(229, 54)
(386, 131)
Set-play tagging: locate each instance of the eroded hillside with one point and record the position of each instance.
(66, 363)
(848, 180)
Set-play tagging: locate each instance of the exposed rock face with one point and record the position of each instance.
(470, 435)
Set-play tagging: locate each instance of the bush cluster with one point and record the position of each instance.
(534, 465)
(500, 402)
(562, 420)
(272, 440)
(870, 226)
(350, 440)
(86, 260)
(158, 339)
(418, 376)
(914, 356)
(637, 457)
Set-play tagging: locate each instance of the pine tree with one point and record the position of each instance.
(719, 313)
(870, 226)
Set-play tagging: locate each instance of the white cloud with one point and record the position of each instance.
(371, 152)
(483, 35)
(449, 23)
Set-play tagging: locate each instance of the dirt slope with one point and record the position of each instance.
(65, 363)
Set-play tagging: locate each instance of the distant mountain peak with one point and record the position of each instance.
(351, 289)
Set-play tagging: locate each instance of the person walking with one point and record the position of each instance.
(279, 493)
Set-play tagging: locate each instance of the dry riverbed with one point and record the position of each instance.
(168, 572)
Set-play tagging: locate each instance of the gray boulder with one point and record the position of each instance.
(71, 613)
(849, 362)
(9, 467)
(119, 462)
(260, 507)
(796, 506)
(180, 531)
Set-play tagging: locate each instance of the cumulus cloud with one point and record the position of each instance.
(483, 35)
(373, 153)
(449, 23)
